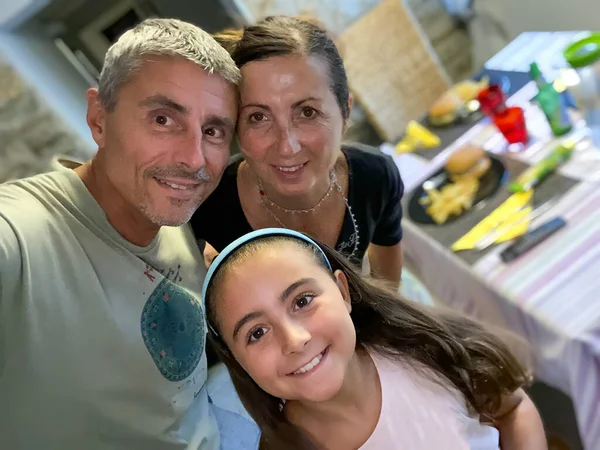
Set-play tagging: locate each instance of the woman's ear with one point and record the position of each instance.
(347, 123)
(342, 283)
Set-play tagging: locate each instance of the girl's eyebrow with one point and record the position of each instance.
(244, 320)
(292, 287)
(256, 314)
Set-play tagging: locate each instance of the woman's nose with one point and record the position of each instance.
(288, 143)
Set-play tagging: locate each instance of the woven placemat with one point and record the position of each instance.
(392, 69)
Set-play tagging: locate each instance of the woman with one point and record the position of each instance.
(295, 173)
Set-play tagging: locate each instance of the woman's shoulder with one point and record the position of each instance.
(366, 162)
(227, 187)
(220, 218)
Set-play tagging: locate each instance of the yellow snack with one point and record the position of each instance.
(452, 199)
(417, 136)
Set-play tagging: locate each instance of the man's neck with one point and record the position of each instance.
(128, 221)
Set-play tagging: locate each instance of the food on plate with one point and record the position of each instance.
(452, 102)
(469, 161)
(465, 167)
(467, 90)
(451, 199)
(445, 108)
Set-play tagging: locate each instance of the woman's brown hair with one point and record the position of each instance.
(286, 35)
(460, 350)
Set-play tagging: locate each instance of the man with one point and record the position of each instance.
(101, 330)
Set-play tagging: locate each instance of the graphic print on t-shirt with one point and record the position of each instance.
(173, 330)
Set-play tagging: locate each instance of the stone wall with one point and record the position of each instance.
(30, 132)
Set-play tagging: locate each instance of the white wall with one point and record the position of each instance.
(550, 15)
(44, 67)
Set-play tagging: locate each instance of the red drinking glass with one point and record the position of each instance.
(511, 124)
(492, 100)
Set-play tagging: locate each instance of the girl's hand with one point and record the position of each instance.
(209, 254)
(520, 424)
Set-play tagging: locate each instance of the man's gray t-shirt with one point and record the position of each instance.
(101, 341)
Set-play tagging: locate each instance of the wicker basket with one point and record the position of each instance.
(392, 69)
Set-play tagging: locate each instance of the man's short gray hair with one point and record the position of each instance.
(161, 37)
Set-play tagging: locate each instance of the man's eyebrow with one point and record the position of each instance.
(163, 101)
(219, 121)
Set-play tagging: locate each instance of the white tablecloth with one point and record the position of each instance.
(550, 296)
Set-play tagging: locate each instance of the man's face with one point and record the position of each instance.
(165, 144)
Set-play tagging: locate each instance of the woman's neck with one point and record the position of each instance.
(305, 200)
(361, 388)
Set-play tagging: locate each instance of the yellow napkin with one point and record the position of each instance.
(506, 219)
(416, 137)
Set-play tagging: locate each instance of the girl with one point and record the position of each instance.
(323, 358)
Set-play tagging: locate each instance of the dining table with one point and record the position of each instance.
(549, 296)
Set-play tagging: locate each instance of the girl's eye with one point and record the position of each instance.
(256, 335)
(308, 112)
(303, 301)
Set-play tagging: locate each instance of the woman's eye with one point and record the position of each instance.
(256, 334)
(308, 112)
(257, 117)
(303, 301)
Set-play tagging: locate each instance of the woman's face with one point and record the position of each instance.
(287, 322)
(290, 125)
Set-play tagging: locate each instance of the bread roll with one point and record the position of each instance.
(469, 161)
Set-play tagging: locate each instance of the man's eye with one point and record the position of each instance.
(163, 120)
(214, 132)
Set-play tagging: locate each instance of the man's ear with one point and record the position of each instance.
(96, 117)
(342, 283)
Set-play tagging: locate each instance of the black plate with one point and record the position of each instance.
(488, 186)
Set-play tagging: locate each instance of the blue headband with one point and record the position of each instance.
(240, 242)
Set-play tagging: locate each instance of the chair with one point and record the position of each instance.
(392, 69)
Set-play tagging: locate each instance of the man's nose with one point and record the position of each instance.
(190, 151)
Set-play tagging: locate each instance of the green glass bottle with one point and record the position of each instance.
(551, 103)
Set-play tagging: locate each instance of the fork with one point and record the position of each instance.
(490, 238)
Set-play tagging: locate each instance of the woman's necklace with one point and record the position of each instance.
(266, 202)
(265, 199)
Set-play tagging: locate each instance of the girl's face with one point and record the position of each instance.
(287, 322)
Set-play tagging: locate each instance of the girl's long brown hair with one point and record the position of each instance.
(471, 359)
